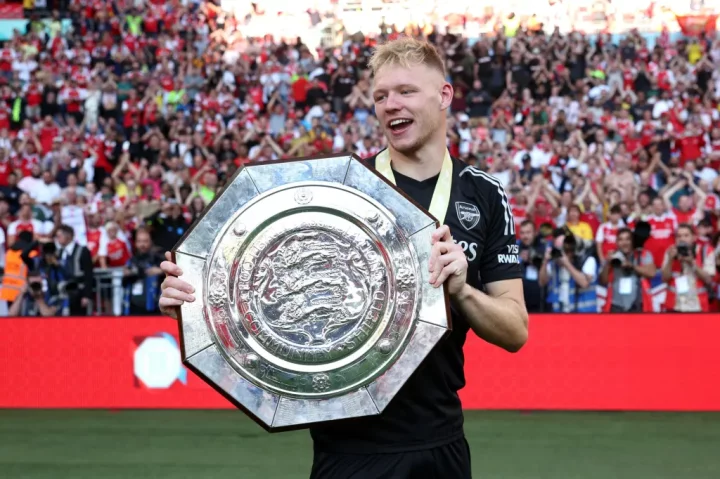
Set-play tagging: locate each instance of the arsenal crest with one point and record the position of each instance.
(468, 214)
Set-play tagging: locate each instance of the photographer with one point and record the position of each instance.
(33, 301)
(54, 276)
(142, 277)
(688, 270)
(626, 274)
(532, 250)
(570, 277)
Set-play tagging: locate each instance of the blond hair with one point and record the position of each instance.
(406, 52)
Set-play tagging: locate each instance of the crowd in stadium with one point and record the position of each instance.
(117, 132)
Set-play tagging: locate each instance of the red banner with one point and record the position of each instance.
(595, 362)
(696, 25)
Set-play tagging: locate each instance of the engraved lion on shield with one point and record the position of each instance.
(313, 286)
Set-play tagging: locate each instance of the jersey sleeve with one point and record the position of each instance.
(103, 246)
(500, 258)
(600, 236)
(646, 258)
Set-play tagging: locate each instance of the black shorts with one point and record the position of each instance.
(451, 461)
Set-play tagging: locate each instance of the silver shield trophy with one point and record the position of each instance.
(313, 301)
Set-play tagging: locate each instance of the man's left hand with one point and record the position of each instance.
(84, 302)
(448, 263)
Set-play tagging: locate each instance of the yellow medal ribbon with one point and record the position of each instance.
(441, 195)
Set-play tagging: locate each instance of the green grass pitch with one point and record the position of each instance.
(226, 445)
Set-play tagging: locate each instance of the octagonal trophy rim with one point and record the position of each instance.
(389, 365)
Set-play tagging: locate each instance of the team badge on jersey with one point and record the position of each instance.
(468, 214)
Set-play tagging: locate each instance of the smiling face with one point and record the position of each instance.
(410, 104)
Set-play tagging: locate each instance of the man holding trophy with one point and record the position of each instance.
(473, 255)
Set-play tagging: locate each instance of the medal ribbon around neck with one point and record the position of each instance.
(441, 195)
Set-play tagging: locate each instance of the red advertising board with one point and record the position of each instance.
(596, 362)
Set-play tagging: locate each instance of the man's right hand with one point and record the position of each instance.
(525, 255)
(672, 252)
(175, 291)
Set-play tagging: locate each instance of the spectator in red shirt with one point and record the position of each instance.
(691, 143)
(114, 251)
(606, 238)
(686, 211)
(662, 230)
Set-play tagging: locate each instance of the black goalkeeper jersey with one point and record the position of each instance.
(426, 412)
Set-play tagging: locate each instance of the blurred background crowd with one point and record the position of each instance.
(121, 120)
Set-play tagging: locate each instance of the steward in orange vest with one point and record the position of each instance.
(17, 259)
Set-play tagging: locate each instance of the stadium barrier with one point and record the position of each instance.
(572, 362)
(109, 291)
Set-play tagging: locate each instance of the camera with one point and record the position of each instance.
(617, 259)
(534, 255)
(49, 249)
(684, 250)
(36, 287)
(536, 258)
(556, 253)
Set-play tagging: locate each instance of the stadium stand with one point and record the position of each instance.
(122, 120)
